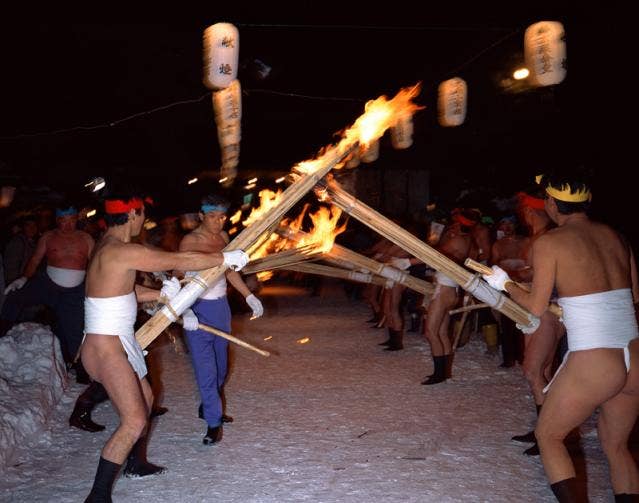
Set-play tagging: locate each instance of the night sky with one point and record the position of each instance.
(61, 75)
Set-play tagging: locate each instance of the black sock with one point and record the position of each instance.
(626, 498)
(569, 491)
(103, 483)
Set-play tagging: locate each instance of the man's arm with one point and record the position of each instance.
(238, 283)
(38, 255)
(544, 272)
(141, 258)
(146, 294)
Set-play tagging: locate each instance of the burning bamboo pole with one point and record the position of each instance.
(282, 259)
(484, 269)
(417, 248)
(336, 272)
(348, 259)
(189, 294)
(379, 115)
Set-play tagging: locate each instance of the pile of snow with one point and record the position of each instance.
(32, 380)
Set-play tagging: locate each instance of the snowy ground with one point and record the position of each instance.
(333, 420)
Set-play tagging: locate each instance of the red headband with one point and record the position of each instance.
(459, 218)
(530, 201)
(115, 206)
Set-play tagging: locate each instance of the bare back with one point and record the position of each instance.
(590, 257)
(456, 245)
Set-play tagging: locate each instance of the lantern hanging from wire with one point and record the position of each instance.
(221, 55)
(227, 105)
(545, 52)
(451, 104)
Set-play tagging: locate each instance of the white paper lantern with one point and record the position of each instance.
(402, 133)
(221, 55)
(227, 106)
(451, 102)
(545, 52)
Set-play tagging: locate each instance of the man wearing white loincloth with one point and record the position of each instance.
(110, 353)
(594, 272)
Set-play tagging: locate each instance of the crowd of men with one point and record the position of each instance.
(545, 251)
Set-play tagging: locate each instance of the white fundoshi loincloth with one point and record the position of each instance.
(597, 321)
(116, 316)
(67, 278)
(442, 280)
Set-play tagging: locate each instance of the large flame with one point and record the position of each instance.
(236, 217)
(324, 230)
(268, 200)
(379, 115)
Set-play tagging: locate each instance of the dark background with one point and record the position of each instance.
(57, 76)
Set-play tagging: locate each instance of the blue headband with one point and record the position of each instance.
(65, 212)
(208, 208)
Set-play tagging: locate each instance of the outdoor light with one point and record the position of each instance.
(222, 180)
(252, 180)
(451, 102)
(192, 181)
(521, 73)
(280, 179)
(249, 186)
(91, 213)
(96, 184)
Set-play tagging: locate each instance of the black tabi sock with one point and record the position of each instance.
(569, 491)
(103, 483)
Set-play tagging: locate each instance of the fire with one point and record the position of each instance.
(324, 230)
(236, 217)
(379, 115)
(303, 340)
(264, 276)
(268, 200)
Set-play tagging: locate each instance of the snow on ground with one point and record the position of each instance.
(336, 419)
(32, 379)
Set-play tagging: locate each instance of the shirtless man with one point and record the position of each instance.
(110, 352)
(507, 252)
(456, 243)
(594, 272)
(540, 345)
(67, 251)
(209, 352)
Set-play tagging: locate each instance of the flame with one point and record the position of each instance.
(379, 115)
(268, 200)
(236, 217)
(268, 338)
(303, 340)
(264, 276)
(324, 229)
(232, 231)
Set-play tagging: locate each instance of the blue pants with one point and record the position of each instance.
(209, 354)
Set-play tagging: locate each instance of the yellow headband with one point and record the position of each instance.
(564, 193)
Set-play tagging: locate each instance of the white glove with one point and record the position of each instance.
(16, 284)
(235, 259)
(497, 279)
(255, 304)
(190, 321)
(170, 288)
(530, 329)
(400, 263)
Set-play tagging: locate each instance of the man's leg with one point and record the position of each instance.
(616, 421)
(588, 379)
(69, 311)
(437, 320)
(105, 360)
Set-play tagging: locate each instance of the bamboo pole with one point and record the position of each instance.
(229, 337)
(336, 272)
(417, 248)
(189, 294)
(465, 309)
(484, 269)
(282, 259)
(348, 259)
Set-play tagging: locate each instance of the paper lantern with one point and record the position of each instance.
(402, 133)
(221, 55)
(451, 102)
(545, 52)
(227, 106)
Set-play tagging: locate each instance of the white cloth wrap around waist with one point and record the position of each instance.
(67, 278)
(116, 316)
(599, 320)
(442, 279)
(216, 291)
